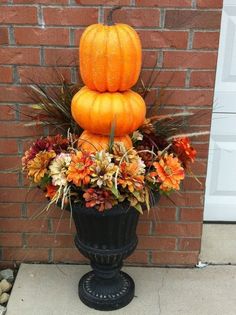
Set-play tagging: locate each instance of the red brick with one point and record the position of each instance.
(200, 117)
(45, 240)
(68, 255)
(61, 57)
(19, 56)
(206, 40)
(13, 94)
(9, 180)
(21, 195)
(149, 59)
(8, 146)
(164, 78)
(3, 36)
(206, 4)
(5, 74)
(23, 225)
(11, 163)
(138, 257)
(164, 39)
(204, 79)
(190, 183)
(188, 97)
(25, 254)
(45, 2)
(175, 258)
(137, 17)
(177, 19)
(39, 36)
(156, 243)
(18, 15)
(43, 75)
(160, 214)
(7, 112)
(202, 150)
(103, 2)
(10, 210)
(179, 229)
(16, 129)
(11, 240)
(184, 199)
(189, 244)
(199, 167)
(143, 227)
(190, 59)
(164, 3)
(77, 34)
(191, 214)
(35, 209)
(70, 16)
(63, 225)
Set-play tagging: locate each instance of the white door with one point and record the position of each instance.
(220, 197)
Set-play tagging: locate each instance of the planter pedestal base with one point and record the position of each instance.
(106, 294)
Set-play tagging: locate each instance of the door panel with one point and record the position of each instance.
(220, 197)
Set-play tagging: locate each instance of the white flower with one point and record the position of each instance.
(137, 136)
(58, 169)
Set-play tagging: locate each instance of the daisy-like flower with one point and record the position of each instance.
(186, 153)
(99, 198)
(38, 167)
(103, 170)
(130, 176)
(58, 169)
(169, 172)
(80, 168)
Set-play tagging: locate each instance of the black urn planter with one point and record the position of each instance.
(106, 238)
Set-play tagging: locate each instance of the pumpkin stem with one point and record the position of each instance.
(109, 17)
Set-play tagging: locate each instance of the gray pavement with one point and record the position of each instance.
(52, 290)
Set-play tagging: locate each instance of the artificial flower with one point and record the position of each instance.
(99, 198)
(38, 167)
(51, 191)
(103, 170)
(185, 152)
(169, 172)
(80, 168)
(130, 176)
(58, 169)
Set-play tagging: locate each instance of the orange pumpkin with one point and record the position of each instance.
(92, 142)
(110, 56)
(96, 111)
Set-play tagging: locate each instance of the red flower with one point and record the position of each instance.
(186, 153)
(99, 198)
(51, 191)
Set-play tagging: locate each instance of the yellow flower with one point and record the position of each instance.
(37, 167)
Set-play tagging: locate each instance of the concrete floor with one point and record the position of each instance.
(52, 290)
(218, 244)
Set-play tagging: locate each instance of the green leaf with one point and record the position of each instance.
(115, 191)
(112, 136)
(139, 208)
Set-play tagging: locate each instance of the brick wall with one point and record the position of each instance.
(180, 37)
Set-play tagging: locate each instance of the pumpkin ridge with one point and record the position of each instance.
(138, 50)
(91, 58)
(130, 74)
(122, 57)
(85, 47)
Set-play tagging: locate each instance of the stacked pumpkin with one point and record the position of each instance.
(110, 63)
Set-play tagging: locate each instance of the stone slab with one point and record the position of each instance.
(52, 290)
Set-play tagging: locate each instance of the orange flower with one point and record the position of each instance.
(51, 191)
(80, 169)
(169, 172)
(186, 153)
(129, 176)
(37, 167)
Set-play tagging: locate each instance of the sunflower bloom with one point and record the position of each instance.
(37, 167)
(80, 168)
(169, 172)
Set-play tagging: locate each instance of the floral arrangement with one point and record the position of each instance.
(117, 151)
(103, 178)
